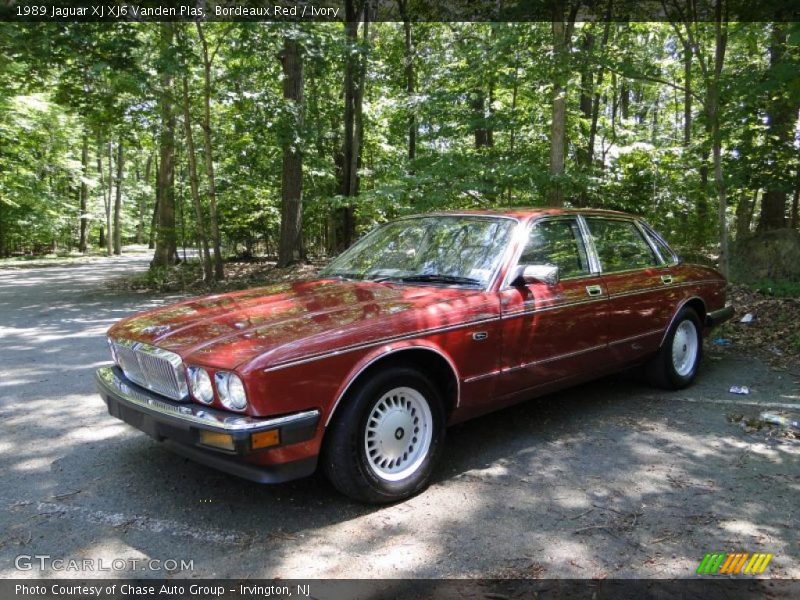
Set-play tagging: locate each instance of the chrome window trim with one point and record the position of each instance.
(506, 285)
(652, 234)
(588, 241)
(648, 240)
(198, 414)
(635, 223)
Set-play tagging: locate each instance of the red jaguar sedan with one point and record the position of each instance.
(426, 321)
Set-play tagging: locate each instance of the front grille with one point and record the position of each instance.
(158, 370)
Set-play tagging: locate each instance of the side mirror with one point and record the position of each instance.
(526, 274)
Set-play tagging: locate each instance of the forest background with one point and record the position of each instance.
(289, 140)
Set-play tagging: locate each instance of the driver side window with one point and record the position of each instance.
(557, 242)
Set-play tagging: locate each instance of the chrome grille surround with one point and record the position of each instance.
(155, 369)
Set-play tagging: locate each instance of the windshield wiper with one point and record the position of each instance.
(434, 278)
(346, 276)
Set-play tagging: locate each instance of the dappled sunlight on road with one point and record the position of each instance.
(607, 480)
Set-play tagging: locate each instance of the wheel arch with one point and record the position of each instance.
(693, 302)
(428, 358)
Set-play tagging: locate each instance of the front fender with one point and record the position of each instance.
(384, 352)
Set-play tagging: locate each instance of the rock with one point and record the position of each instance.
(766, 255)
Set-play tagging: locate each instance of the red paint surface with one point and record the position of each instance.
(299, 345)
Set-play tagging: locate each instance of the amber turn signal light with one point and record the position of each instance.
(216, 440)
(265, 439)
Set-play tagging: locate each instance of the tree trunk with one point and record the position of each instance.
(342, 229)
(84, 194)
(143, 202)
(562, 34)
(624, 100)
(290, 249)
(109, 208)
(408, 57)
(744, 215)
(687, 95)
(701, 207)
(151, 239)
(118, 203)
(480, 130)
(102, 178)
(596, 99)
(586, 105)
(358, 117)
(513, 116)
(219, 267)
(721, 37)
(795, 219)
(166, 244)
(782, 116)
(208, 269)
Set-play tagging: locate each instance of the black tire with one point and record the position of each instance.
(661, 371)
(344, 455)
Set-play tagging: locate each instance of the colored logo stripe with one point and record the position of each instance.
(732, 564)
(758, 564)
(710, 563)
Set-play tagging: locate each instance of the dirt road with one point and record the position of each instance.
(610, 479)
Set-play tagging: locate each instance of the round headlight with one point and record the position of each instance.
(200, 383)
(231, 390)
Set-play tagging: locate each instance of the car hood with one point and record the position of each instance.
(291, 321)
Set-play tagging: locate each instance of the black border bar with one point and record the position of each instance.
(399, 589)
(388, 10)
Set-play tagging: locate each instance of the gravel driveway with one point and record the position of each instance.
(611, 479)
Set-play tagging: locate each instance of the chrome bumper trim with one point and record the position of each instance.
(111, 383)
(717, 317)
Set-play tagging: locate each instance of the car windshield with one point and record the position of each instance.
(449, 250)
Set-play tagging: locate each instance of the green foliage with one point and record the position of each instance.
(779, 289)
(62, 83)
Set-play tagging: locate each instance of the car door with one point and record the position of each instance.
(553, 333)
(641, 292)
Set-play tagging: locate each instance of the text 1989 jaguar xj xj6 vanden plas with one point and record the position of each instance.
(426, 321)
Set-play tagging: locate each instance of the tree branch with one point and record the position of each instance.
(654, 79)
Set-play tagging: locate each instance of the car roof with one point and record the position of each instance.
(528, 212)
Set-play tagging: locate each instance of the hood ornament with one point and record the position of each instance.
(156, 329)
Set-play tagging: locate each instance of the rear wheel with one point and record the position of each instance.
(384, 441)
(675, 365)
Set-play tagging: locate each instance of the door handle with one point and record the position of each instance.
(666, 279)
(594, 290)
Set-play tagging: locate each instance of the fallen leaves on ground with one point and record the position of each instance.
(774, 330)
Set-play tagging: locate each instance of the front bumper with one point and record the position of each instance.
(187, 429)
(718, 317)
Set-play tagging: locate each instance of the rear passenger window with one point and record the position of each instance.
(557, 242)
(666, 253)
(620, 245)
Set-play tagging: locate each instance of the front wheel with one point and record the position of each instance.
(675, 365)
(384, 441)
